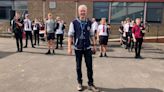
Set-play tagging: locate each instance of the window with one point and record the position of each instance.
(118, 11)
(5, 12)
(135, 12)
(7, 8)
(121, 10)
(5, 3)
(151, 12)
(2, 13)
(155, 4)
(20, 5)
(118, 14)
(101, 4)
(135, 4)
(101, 10)
(119, 4)
(154, 9)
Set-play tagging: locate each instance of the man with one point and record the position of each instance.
(59, 32)
(28, 30)
(80, 31)
(138, 37)
(17, 25)
(50, 33)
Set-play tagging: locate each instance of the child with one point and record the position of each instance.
(50, 33)
(102, 35)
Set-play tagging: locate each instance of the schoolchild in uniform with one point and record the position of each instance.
(102, 35)
(50, 33)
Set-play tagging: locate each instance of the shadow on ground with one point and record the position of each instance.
(130, 90)
(5, 54)
(121, 57)
(43, 53)
(126, 89)
(153, 50)
(114, 46)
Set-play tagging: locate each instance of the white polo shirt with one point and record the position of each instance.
(59, 30)
(126, 27)
(27, 25)
(94, 26)
(100, 30)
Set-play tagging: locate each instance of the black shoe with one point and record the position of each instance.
(80, 87)
(140, 57)
(49, 52)
(56, 48)
(105, 55)
(25, 47)
(101, 55)
(93, 88)
(33, 47)
(35, 44)
(136, 57)
(20, 50)
(53, 52)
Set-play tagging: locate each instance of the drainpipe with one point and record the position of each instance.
(76, 5)
(44, 9)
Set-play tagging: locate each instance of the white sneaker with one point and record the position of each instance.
(80, 87)
(93, 88)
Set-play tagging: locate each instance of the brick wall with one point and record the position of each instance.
(35, 9)
(66, 10)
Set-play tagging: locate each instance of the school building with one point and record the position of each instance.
(150, 11)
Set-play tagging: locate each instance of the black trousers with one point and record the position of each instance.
(127, 43)
(29, 34)
(138, 46)
(88, 60)
(131, 44)
(59, 40)
(19, 41)
(36, 36)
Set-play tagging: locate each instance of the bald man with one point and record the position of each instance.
(80, 34)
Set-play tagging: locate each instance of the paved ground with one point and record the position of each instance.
(33, 71)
